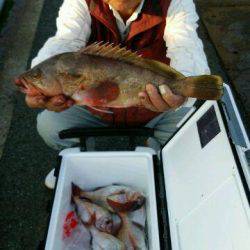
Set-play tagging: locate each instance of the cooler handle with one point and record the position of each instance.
(84, 133)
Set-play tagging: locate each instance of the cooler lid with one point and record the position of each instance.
(206, 200)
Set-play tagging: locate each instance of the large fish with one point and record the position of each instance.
(113, 197)
(90, 213)
(104, 241)
(132, 235)
(110, 76)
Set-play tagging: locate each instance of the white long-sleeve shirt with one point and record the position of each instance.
(185, 49)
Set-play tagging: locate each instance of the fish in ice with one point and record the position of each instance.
(104, 75)
(90, 213)
(132, 235)
(104, 241)
(113, 197)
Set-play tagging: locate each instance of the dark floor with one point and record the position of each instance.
(26, 159)
(227, 26)
(24, 164)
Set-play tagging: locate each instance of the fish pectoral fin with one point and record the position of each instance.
(117, 205)
(99, 96)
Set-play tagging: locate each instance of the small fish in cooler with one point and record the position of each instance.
(132, 235)
(90, 213)
(111, 218)
(102, 240)
(113, 197)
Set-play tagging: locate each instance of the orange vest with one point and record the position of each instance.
(145, 37)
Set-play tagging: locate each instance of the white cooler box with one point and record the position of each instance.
(197, 195)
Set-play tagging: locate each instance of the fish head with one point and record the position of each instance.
(41, 79)
(109, 224)
(105, 224)
(126, 201)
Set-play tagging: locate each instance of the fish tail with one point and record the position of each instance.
(205, 87)
(72, 200)
(76, 191)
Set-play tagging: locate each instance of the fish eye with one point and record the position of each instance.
(37, 73)
(74, 74)
(108, 221)
(77, 75)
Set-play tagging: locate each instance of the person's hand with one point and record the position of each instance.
(56, 103)
(159, 102)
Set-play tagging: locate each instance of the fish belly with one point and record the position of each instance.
(116, 85)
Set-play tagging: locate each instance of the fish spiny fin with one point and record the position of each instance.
(109, 50)
(113, 51)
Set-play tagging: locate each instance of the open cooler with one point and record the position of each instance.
(197, 194)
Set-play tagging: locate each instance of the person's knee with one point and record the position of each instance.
(48, 130)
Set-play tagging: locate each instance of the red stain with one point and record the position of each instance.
(70, 215)
(73, 223)
(70, 224)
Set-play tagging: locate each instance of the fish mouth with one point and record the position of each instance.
(22, 84)
(105, 224)
(26, 87)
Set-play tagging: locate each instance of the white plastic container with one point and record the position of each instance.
(91, 170)
(197, 198)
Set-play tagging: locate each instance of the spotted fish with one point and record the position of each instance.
(104, 75)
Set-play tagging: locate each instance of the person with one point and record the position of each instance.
(164, 30)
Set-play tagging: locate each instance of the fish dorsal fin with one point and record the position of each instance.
(160, 68)
(109, 50)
